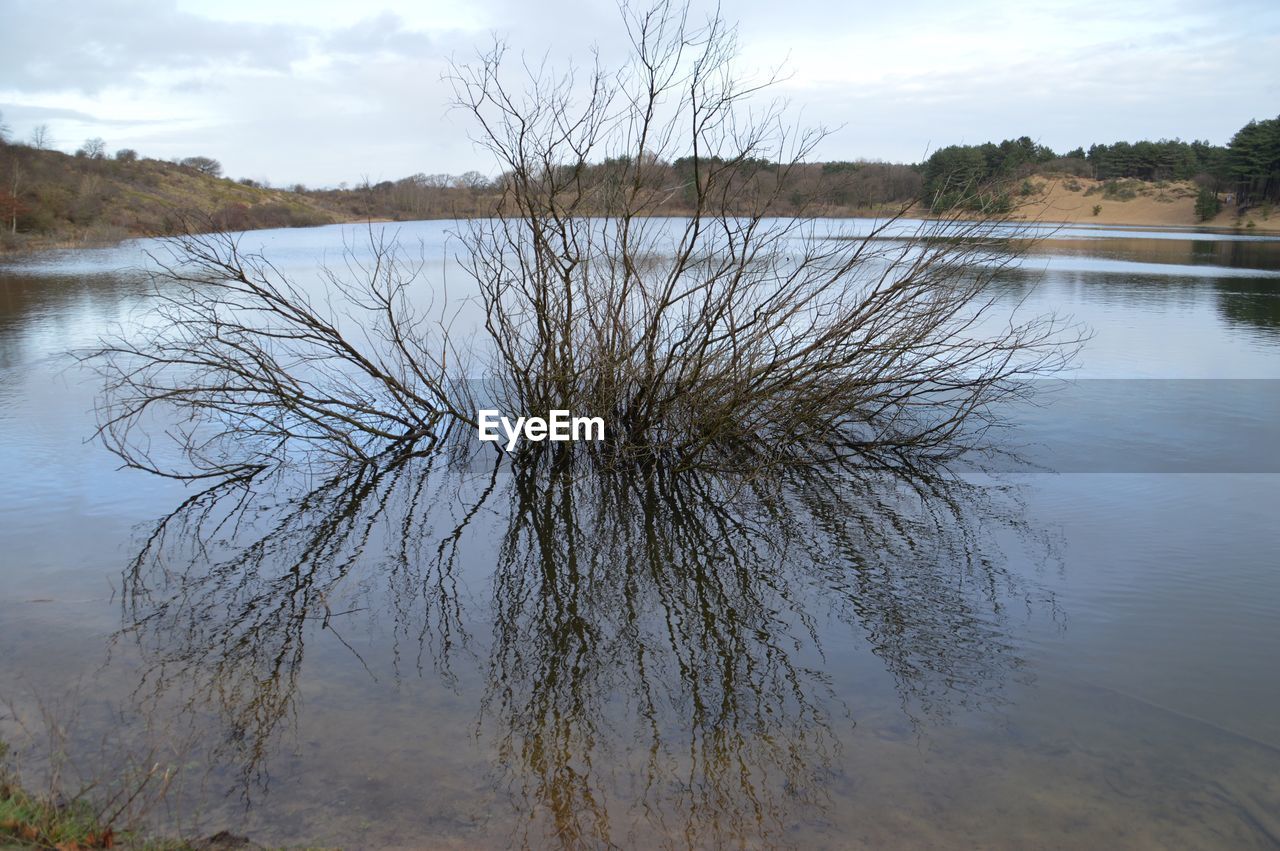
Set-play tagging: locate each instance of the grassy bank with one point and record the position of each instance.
(53, 200)
(31, 821)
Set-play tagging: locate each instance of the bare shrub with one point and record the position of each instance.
(727, 331)
(246, 366)
(724, 337)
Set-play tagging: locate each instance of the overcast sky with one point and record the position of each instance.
(321, 91)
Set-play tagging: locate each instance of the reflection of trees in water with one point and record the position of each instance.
(657, 658)
(1252, 302)
(223, 590)
(35, 305)
(1231, 253)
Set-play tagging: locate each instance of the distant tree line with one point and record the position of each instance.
(990, 177)
(1167, 159)
(833, 188)
(1253, 162)
(983, 176)
(974, 176)
(40, 192)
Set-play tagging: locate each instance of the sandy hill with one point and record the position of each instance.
(1135, 202)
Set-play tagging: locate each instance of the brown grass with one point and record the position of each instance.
(1155, 204)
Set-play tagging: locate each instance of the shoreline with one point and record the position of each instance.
(1057, 205)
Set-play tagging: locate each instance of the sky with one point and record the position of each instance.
(324, 92)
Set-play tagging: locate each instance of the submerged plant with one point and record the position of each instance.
(724, 338)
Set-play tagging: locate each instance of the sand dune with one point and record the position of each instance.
(1134, 202)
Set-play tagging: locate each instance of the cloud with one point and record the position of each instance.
(382, 35)
(87, 47)
(27, 114)
(321, 91)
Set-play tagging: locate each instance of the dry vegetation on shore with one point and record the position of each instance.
(71, 201)
(49, 199)
(1140, 203)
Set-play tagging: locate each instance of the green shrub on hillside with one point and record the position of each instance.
(1207, 204)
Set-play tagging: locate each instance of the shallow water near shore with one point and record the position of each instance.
(1079, 651)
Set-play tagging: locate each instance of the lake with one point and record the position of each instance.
(1079, 642)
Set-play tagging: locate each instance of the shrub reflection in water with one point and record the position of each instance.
(653, 644)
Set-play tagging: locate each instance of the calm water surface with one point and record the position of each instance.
(1078, 651)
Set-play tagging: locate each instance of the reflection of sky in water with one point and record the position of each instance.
(1129, 663)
